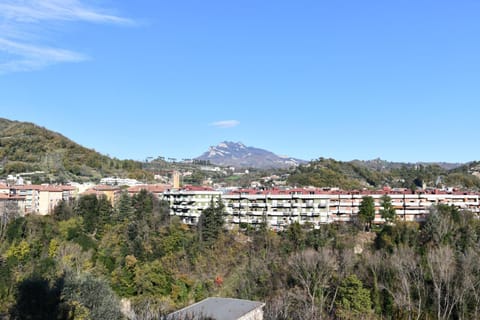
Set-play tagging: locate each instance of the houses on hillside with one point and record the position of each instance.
(277, 207)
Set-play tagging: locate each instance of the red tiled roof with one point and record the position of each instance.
(307, 191)
(51, 188)
(154, 188)
(197, 188)
(11, 197)
(27, 187)
(106, 188)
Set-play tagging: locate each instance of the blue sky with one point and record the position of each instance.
(399, 80)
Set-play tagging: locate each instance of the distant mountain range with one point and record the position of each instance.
(28, 148)
(236, 154)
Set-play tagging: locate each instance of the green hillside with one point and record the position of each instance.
(26, 147)
(359, 174)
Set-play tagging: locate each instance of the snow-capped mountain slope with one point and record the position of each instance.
(236, 154)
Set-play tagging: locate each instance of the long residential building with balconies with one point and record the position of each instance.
(280, 207)
(276, 207)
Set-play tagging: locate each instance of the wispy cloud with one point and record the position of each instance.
(23, 21)
(31, 11)
(27, 57)
(225, 123)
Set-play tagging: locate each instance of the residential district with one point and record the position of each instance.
(278, 207)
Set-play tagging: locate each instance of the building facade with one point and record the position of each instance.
(280, 207)
(189, 202)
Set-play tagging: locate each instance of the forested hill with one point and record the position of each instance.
(363, 174)
(26, 147)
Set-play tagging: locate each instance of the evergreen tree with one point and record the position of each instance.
(124, 207)
(388, 211)
(142, 203)
(296, 235)
(86, 207)
(211, 221)
(63, 211)
(366, 212)
(353, 299)
(104, 214)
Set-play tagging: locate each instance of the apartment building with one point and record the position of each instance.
(49, 196)
(281, 207)
(155, 189)
(31, 196)
(10, 202)
(116, 181)
(112, 193)
(409, 206)
(278, 208)
(38, 199)
(189, 202)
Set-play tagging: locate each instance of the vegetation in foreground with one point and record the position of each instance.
(89, 260)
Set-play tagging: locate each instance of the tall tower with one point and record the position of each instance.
(176, 179)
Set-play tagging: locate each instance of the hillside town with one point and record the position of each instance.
(277, 206)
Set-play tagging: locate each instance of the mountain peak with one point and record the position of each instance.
(230, 144)
(237, 154)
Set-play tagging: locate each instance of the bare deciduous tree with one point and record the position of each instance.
(468, 284)
(8, 211)
(408, 284)
(148, 308)
(442, 267)
(313, 271)
(278, 307)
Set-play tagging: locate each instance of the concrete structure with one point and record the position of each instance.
(32, 198)
(156, 189)
(221, 309)
(278, 208)
(189, 202)
(112, 193)
(50, 196)
(12, 202)
(281, 207)
(176, 179)
(40, 199)
(116, 181)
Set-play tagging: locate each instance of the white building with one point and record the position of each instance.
(189, 202)
(281, 207)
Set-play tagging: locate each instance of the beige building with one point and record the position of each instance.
(39, 199)
(50, 196)
(156, 189)
(112, 193)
